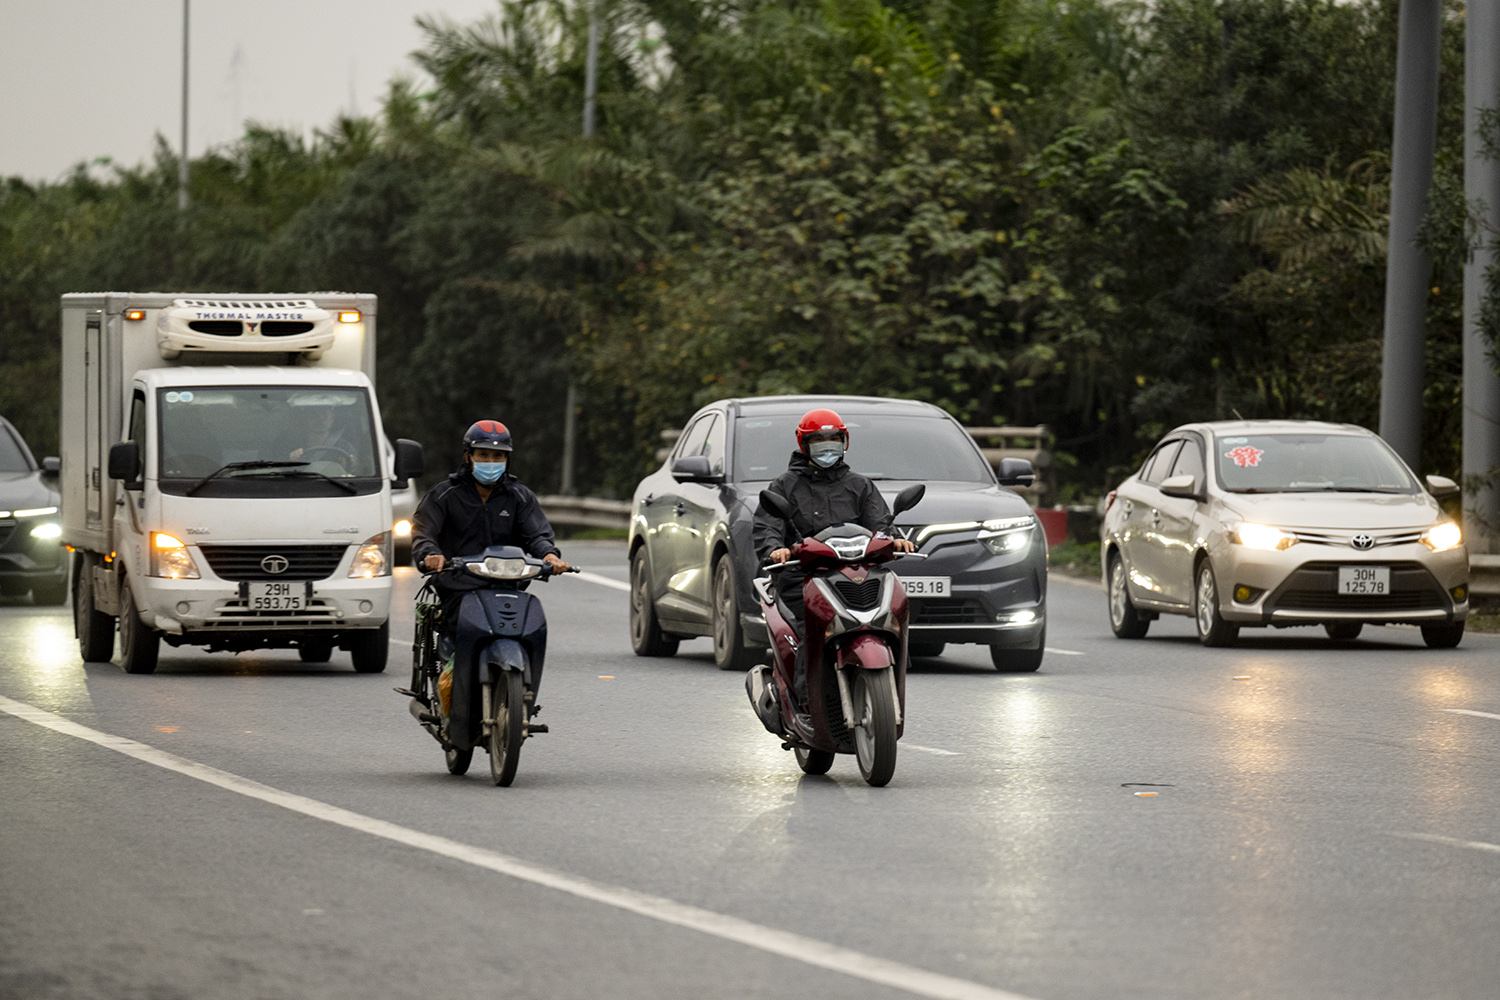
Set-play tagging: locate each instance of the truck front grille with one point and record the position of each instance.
(284, 328)
(218, 327)
(250, 562)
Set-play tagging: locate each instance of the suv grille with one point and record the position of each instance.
(859, 596)
(304, 562)
(946, 611)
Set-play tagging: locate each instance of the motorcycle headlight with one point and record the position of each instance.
(170, 558)
(1260, 536)
(509, 569)
(1442, 537)
(372, 558)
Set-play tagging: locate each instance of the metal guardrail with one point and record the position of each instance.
(1030, 443)
(1484, 575)
(586, 512)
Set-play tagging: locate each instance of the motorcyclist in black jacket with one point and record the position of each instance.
(823, 491)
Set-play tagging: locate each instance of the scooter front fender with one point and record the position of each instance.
(502, 655)
(868, 652)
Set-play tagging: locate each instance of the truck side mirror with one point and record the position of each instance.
(51, 467)
(908, 498)
(125, 463)
(1016, 472)
(409, 461)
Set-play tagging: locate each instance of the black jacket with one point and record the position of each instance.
(452, 521)
(820, 497)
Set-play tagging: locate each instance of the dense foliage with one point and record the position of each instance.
(1108, 217)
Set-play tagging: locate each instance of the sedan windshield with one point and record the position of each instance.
(231, 433)
(1310, 463)
(881, 446)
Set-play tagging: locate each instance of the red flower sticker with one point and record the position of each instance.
(1245, 456)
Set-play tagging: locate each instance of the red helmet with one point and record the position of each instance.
(814, 421)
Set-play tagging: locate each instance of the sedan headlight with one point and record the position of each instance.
(1442, 537)
(1260, 536)
(372, 558)
(170, 558)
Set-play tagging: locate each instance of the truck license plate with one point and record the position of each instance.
(1364, 580)
(926, 586)
(282, 595)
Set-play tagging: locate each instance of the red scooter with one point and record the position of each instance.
(855, 648)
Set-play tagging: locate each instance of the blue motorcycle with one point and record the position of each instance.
(479, 688)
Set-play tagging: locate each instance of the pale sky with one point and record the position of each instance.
(80, 79)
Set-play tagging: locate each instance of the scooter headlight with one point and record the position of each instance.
(372, 558)
(509, 569)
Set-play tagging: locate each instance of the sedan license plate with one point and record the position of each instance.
(926, 586)
(282, 595)
(1364, 581)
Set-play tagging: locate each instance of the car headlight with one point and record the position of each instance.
(1260, 536)
(1442, 537)
(48, 530)
(36, 512)
(372, 558)
(170, 558)
(1007, 535)
(403, 527)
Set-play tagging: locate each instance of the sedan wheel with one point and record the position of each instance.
(1213, 630)
(1123, 619)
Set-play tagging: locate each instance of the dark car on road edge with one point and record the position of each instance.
(30, 556)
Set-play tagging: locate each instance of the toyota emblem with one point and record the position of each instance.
(278, 564)
(1363, 541)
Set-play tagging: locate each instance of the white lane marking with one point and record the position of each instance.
(1432, 838)
(941, 753)
(809, 951)
(603, 581)
(1469, 711)
(1063, 652)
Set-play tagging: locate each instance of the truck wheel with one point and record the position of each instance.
(730, 652)
(369, 649)
(646, 636)
(139, 642)
(51, 593)
(315, 652)
(95, 630)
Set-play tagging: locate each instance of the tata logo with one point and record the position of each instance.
(1363, 541)
(274, 565)
(252, 325)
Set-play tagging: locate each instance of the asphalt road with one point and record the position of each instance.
(1325, 824)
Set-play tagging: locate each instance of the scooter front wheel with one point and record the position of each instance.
(508, 728)
(875, 733)
(813, 761)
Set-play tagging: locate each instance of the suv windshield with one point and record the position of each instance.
(12, 458)
(1310, 463)
(881, 446)
(239, 434)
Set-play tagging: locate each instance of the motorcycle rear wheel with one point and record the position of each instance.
(875, 735)
(458, 760)
(813, 761)
(508, 728)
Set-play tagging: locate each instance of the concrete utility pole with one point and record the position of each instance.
(1481, 442)
(1408, 271)
(182, 162)
(590, 98)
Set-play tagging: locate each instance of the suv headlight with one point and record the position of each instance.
(1442, 537)
(1260, 536)
(372, 558)
(1008, 534)
(170, 558)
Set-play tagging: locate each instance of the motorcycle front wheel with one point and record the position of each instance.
(508, 729)
(875, 734)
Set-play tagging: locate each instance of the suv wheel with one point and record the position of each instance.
(1213, 630)
(730, 652)
(646, 636)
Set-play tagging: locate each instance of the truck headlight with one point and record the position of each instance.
(1260, 536)
(48, 531)
(403, 527)
(372, 558)
(1442, 537)
(170, 558)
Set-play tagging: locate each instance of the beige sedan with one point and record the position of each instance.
(1282, 522)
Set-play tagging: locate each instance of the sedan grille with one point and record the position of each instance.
(859, 596)
(1314, 587)
(243, 562)
(947, 611)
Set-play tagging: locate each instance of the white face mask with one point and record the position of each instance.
(826, 453)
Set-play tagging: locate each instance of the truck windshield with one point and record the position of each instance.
(237, 431)
(1310, 463)
(881, 446)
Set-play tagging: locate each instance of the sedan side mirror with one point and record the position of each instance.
(908, 498)
(1016, 472)
(1184, 486)
(1441, 486)
(410, 463)
(693, 469)
(51, 467)
(125, 463)
(776, 505)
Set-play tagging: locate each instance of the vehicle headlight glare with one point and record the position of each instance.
(403, 528)
(49, 530)
(1442, 537)
(1009, 539)
(170, 558)
(1260, 536)
(372, 558)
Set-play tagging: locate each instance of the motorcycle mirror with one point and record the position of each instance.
(909, 498)
(776, 504)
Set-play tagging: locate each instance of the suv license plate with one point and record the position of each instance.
(926, 586)
(1364, 580)
(282, 595)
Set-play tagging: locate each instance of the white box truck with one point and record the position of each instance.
(225, 477)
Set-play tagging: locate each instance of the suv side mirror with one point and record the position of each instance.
(125, 463)
(51, 467)
(776, 504)
(1185, 486)
(693, 469)
(1016, 472)
(409, 462)
(908, 498)
(1441, 486)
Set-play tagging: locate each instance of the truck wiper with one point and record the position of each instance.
(303, 474)
(228, 467)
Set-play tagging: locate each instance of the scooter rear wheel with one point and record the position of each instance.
(458, 760)
(509, 728)
(813, 761)
(875, 735)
